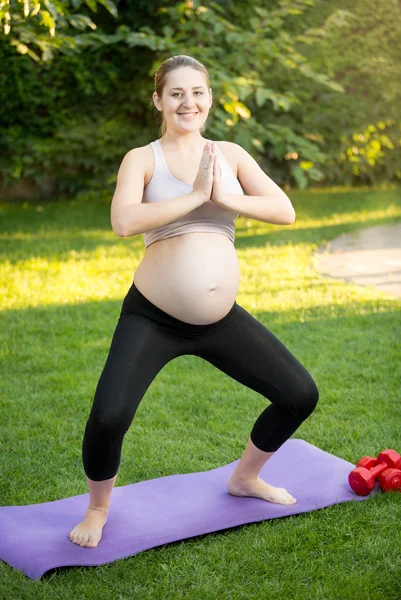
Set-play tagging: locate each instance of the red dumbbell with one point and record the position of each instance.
(362, 478)
(390, 479)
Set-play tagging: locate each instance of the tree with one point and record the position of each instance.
(39, 31)
(72, 115)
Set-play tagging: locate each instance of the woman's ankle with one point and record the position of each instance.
(99, 509)
(100, 494)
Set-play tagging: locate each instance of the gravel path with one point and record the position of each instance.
(367, 257)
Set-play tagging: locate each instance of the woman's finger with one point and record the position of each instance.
(216, 166)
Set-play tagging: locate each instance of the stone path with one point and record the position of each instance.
(367, 257)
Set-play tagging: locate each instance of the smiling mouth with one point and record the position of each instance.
(189, 113)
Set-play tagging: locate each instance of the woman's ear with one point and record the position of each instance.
(156, 101)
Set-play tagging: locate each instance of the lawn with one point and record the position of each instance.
(63, 275)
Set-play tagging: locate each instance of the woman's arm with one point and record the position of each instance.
(139, 218)
(129, 216)
(264, 200)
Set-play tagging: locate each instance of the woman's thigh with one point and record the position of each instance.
(139, 350)
(251, 354)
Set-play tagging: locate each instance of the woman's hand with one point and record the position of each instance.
(208, 185)
(217, 196)
(202, 186)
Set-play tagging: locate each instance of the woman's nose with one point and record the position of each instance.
(188, 102)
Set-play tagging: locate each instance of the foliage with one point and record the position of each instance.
(360, 129)
(284, 78)
(30, 27)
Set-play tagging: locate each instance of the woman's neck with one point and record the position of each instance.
(182, 142)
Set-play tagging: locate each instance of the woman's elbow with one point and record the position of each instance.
(117, 229)
(120, 230)
(289, 217)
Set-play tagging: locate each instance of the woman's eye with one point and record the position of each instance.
(179, 94)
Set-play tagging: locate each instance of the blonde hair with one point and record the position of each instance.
(172, 63)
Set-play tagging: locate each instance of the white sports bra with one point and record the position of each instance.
(206, 218)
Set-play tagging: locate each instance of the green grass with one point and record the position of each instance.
(63, 275)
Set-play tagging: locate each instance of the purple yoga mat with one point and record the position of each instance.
(34, 538)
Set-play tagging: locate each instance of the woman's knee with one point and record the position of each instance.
(306, 397)
(109, 422)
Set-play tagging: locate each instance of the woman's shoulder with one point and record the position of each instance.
(231, 153)
(143, 157)
(230, 149)
(140, 152)
(227, 145)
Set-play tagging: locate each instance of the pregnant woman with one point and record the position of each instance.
(183, 193)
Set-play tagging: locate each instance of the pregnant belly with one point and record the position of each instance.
(193, 277)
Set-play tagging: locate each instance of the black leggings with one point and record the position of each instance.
(146, 338)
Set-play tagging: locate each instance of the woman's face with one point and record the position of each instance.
(186, 99)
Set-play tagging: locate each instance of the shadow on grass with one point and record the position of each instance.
(308, 235)
(55, 230)
(59, 247)
(43, 338)
(51, 244)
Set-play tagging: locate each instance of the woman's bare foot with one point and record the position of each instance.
(260, 489)
(89, 533)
